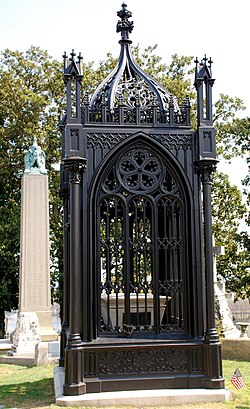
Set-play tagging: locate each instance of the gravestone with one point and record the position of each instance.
(224, 313)
(34, 323)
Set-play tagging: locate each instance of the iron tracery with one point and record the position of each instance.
(137, 236)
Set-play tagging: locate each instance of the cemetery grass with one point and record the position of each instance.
(32, 388)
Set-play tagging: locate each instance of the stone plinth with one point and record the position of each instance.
(137, 398)
(34, 323)
(238, 349)
(27, 333)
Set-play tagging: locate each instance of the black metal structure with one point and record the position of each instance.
(136, 188)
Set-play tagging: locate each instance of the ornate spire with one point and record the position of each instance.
(124, 26)
(72, 65)
(203, 84)
(128, 86)
(205, 65)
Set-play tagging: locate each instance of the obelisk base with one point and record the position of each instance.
(26, 334)
(46, 331)
(31, 329)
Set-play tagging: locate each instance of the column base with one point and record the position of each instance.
(75, 389)
(73, 371)
(213, 366)
(213, 383)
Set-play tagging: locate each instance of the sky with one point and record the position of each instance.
(217, 28)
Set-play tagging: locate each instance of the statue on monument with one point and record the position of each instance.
(34, 160)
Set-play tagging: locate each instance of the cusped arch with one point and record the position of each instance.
(141, 236)
(137, 140)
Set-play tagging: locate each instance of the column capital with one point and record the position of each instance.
(206, 167)
(75, 166)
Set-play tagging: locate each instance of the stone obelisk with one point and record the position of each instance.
(34, 323)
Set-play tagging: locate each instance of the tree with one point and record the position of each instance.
(9, 257)
(233, 132)
(32, 98)
(233, 139)
(228, 211)
(31, 93)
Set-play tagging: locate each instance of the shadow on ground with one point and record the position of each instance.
(27, 395)
(242, 407)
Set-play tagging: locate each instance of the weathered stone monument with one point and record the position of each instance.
(223, 312)
(34, 323)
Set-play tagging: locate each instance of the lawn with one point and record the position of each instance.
(32, 388)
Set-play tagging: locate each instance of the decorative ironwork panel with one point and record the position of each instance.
(197, 360)
(112, 261)
(140, 218)
(170, 141)
(104, 140)
(139, 171)
(141, 361)
(175, 141)
(169, 245)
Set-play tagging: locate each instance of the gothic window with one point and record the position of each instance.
(140, 246)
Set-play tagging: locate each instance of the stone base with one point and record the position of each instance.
(236, 348)
(46, 331)
(162, 397)
(26, 334)
(54, 349)
(41, 354)
(31, 329)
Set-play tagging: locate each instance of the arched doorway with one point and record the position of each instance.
(140, 256)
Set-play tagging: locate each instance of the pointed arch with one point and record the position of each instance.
(141, 205)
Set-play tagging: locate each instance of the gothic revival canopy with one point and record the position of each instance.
(128, 85)
(138, 277)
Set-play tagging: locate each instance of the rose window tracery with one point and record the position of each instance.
(140, 171)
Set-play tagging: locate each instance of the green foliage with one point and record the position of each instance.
(9, 256)
(233, 139)
(228, 211)
(32, 94)
(32, 97)
(233, 132)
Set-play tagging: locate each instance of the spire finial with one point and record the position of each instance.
(65, 57)
(73, 54)
(80, 57)
(210, 62)
(205, 59)
(124, 26)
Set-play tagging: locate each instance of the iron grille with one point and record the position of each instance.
(140, 248)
